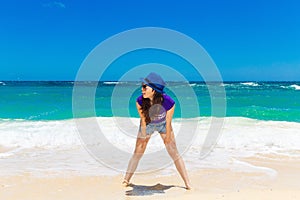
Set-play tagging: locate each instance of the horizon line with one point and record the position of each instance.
(140, 81)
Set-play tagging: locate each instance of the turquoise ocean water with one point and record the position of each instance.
(278, 101)
(37, 125)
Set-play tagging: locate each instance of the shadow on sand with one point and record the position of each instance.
(142, 190)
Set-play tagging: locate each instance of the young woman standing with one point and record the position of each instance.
(156, 111)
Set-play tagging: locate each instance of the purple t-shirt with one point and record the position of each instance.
(158, 112)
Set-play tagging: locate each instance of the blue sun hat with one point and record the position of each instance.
(154, 81)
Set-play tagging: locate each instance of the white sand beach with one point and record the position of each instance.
(207, 184)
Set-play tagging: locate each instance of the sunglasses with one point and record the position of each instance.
(144, 86)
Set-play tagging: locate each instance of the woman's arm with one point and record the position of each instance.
(169, 117)
(142, 120)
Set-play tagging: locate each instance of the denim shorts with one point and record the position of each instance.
(152, 127)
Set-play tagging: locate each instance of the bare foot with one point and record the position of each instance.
(188, 187)
(125, 183)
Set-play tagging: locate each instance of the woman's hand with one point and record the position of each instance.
(143, 134)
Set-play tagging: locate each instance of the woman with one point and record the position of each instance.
(156, 111)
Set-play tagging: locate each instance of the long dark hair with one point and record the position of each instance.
(146, 104)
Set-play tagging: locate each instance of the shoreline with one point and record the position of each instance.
(207, 184)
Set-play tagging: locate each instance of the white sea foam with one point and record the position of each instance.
(238, 133)
(250, 84)
(30, 143)
(296, 87)
(193, 84)
(225, 84)
(111, 82)
(38, 134)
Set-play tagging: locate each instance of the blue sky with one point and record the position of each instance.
(248, 40)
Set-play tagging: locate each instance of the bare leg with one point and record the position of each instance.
(178, 161)
(140, 148)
